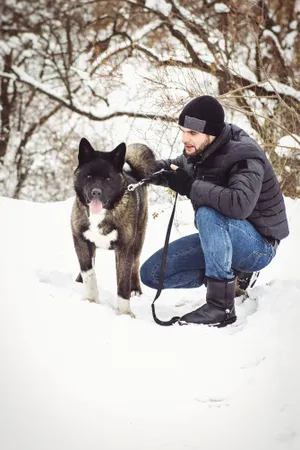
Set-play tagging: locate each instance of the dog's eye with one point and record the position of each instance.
(107, 178)
(89, 177)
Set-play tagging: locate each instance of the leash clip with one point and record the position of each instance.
(132, 187)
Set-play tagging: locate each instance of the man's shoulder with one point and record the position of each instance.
(240, 146)
(241, 141)
(238, 136)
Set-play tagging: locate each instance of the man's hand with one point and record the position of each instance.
(179, 180)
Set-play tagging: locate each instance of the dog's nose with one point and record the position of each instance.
(96, 194)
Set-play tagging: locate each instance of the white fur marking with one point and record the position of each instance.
(95, 235)
(90, 285)
(127, 167)
(124, 307)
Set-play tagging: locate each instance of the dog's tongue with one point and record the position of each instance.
(95, 207)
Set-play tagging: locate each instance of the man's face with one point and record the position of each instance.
(195, 142)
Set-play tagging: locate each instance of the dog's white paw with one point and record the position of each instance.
(124, 307)
(93, 300)
(90, 285)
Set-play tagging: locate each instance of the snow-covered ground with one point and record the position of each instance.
(74, 375)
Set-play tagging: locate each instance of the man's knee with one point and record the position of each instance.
(205, 214)
(145, 275)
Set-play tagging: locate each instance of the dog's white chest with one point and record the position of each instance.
(95, 235)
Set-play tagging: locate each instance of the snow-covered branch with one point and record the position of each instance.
(23, 77)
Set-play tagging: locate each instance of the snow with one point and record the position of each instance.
(280, 88)
(4, 48)
(221, 8)
(276, 29)
(289, 43)
(289, 147)
(23, 76)
(116, 45)
(271, 34)
(159, 5)
(75, 375)
(293, 25)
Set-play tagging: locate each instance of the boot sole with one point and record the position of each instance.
(218, 325)
(226, 322)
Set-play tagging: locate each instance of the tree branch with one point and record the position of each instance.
(24, 78)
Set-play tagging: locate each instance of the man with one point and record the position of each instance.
(239, 211)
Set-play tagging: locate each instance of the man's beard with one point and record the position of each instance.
(203, 146)
(200, 149)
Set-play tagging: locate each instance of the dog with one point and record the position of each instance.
(106, 215)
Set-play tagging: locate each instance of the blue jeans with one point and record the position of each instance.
(221, 245)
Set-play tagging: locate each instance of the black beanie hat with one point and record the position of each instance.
(203, 114)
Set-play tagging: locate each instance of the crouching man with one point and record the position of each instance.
(239, 211)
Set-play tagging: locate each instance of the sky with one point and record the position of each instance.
(75, 375)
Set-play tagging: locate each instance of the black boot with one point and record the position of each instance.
(219, 308)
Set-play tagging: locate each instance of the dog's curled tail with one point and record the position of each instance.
(141, 160)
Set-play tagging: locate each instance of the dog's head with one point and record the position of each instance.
(97, 180)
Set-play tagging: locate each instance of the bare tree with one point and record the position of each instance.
(67, 58)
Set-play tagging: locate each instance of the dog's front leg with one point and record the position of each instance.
(124, 262)
(85, 251)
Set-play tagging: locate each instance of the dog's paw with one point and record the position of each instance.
(93, 300)
(124, 307)
(135, 293)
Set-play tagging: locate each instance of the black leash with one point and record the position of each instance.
(175, 319)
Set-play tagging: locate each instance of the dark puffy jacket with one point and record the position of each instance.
(234, 176)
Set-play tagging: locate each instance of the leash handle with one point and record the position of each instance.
(162, 273)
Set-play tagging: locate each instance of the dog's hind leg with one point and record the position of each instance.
(135, 273)
(85, 251)
(124, 262)
(135, 278)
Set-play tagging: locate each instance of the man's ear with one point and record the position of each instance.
(86, 152)
(118, 156)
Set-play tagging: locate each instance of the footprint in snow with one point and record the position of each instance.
(57, 279)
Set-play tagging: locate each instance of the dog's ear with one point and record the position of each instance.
(118, 156)
(86, 151)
